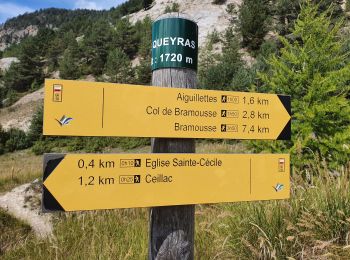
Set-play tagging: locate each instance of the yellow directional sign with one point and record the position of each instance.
(105, 181)
(77, 108)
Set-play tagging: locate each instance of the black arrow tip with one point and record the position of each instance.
(51, 161)
(49, 202)
(286, 102)
(286, 133)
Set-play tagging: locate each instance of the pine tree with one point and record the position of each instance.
(314, 71)
(216, 71)
(125, 38)
(253, 25)
(69, 65)
(118, 67)
(56, 48)
(143, 71)
(287, 12)
(208, 60)
(20, 76)
(336, 5)
(96, 45)
(143, 36)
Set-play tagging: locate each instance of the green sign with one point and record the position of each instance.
(174, 44)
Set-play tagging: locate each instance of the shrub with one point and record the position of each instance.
(218, 2)
(17, 140)
(11, 98)
(214, 37)
(175, 7)
(147, 4)
(131, 143)
(41, 147)
(36, 126)
(218, 71)
(3, 135)
(75, 144)
(2, 149)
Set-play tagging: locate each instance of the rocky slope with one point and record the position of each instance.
(208, 16)
(20, 114)
(205, 13)
(12, 36)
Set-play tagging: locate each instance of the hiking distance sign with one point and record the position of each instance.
(174, 44)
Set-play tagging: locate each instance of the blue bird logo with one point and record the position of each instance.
(64, 120)
(278, 187)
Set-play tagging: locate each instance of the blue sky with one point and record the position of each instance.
(11, 8)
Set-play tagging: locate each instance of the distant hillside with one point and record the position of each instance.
(208, 15)
(28, 24)
(51, 17)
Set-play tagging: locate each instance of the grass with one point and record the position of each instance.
(19, 168)
(313, 224)
(223, 147)
(112, 234)
(13, 232)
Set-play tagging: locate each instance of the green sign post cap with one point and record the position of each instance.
(174, 44)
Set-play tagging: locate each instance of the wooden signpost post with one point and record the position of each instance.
(172, 228)
(171, 179)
